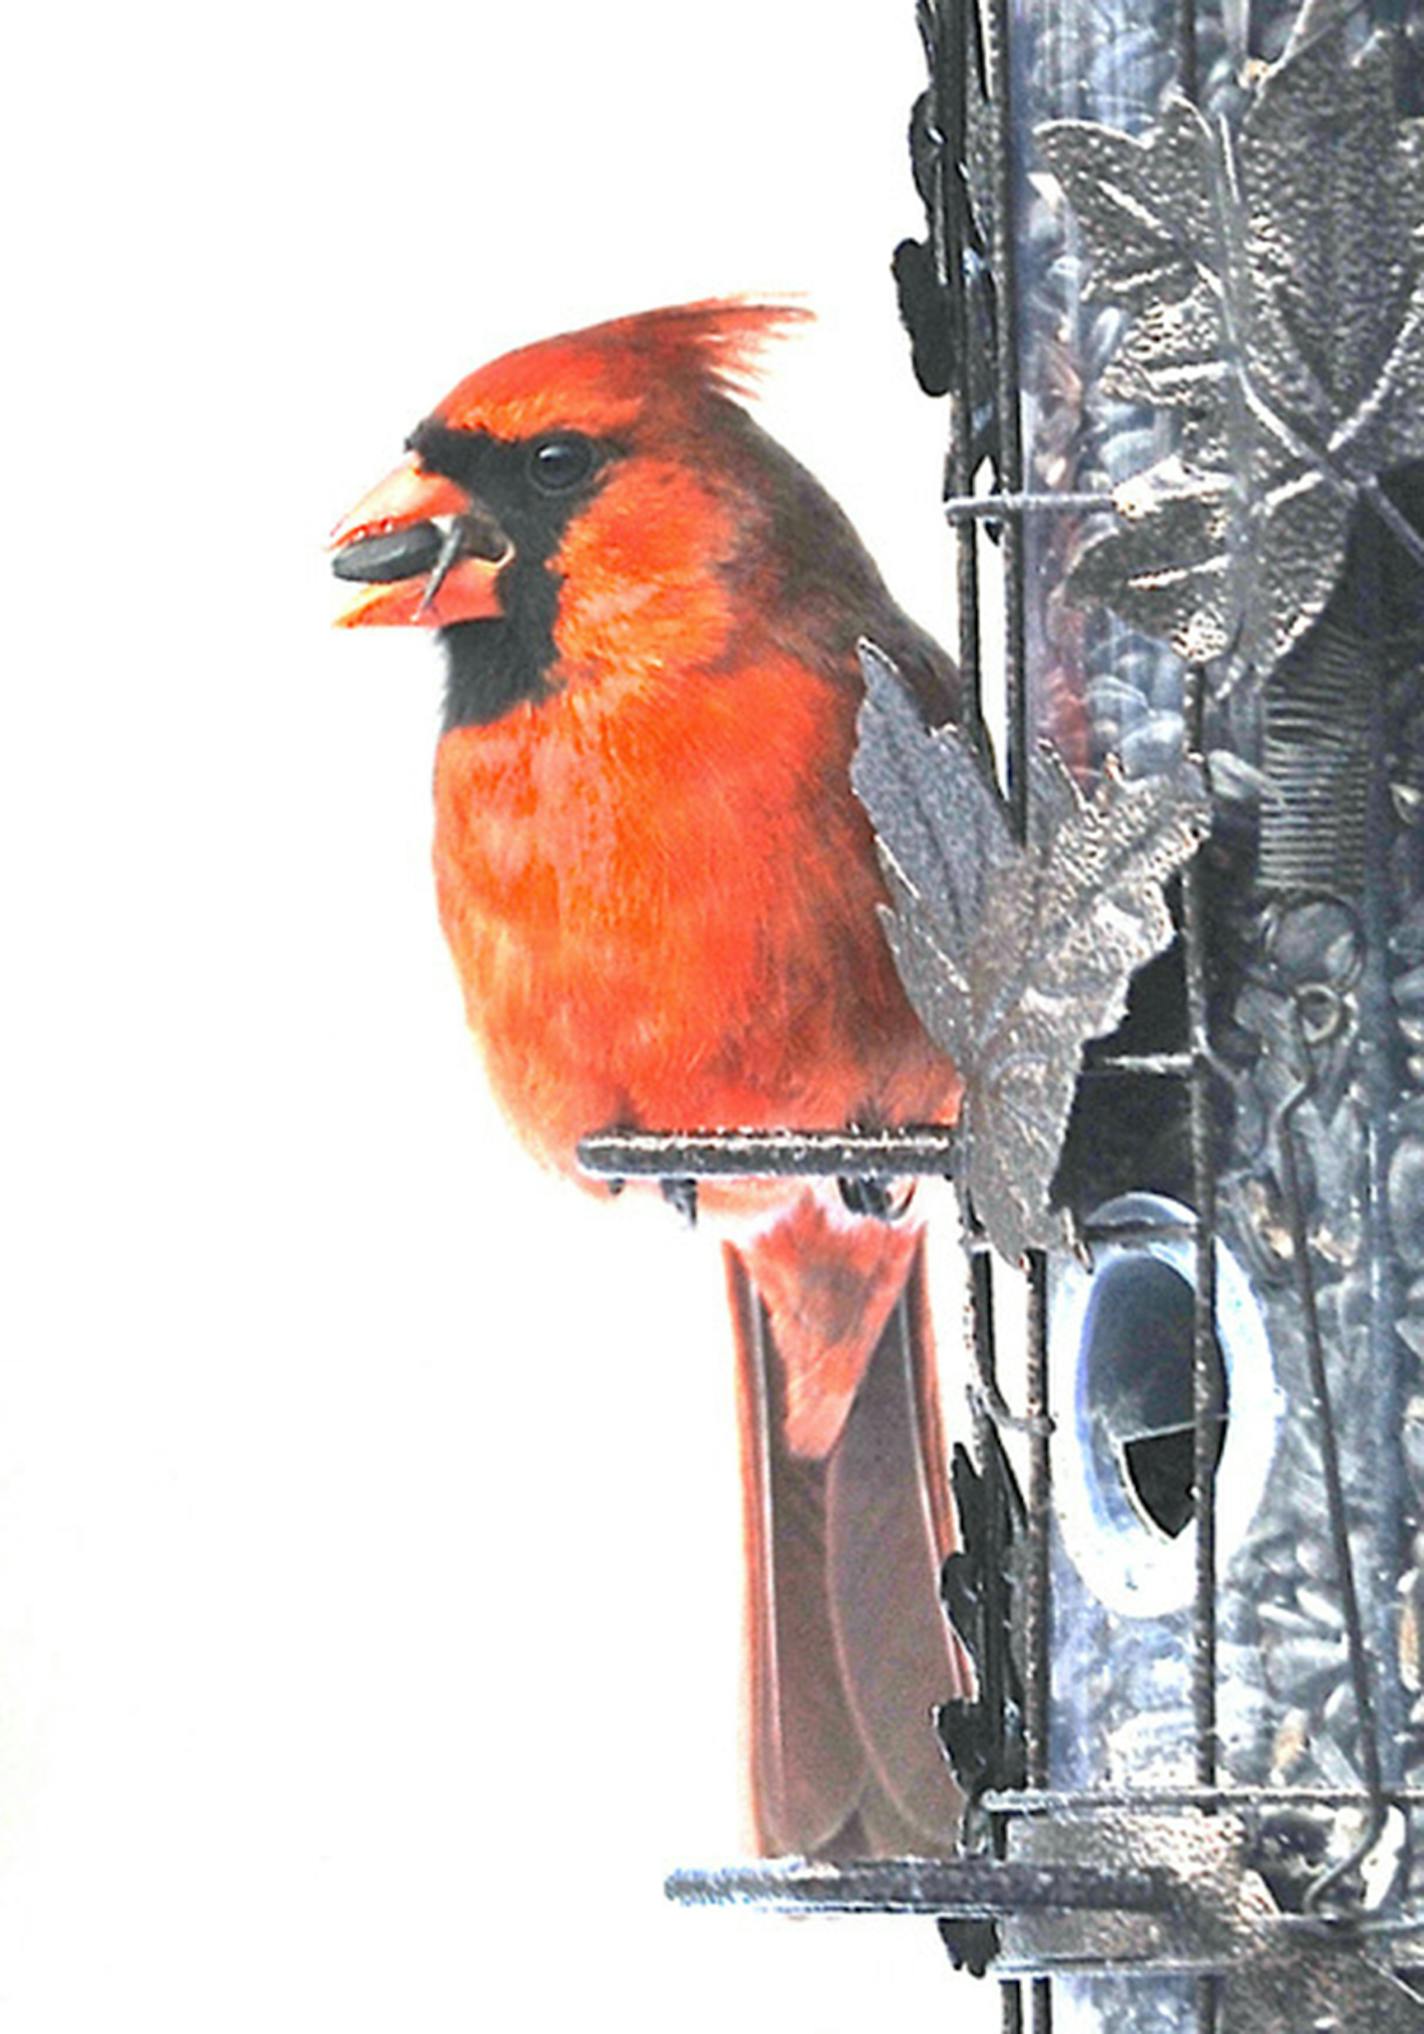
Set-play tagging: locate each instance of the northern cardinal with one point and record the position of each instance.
(661, 897)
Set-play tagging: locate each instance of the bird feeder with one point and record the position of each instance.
(1172, 287)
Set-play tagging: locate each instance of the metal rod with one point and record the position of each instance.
(1334, 1493)
(1037, 1614)
(958, 61)
(957, 27)
(1011, 460)
(829, 1154)
(1094, 1800)
(1037, 1664)
(808, 1154)
(975, 1888)
(1384, 1083)
(1206, 1355)
(993, 508)
(1164, 1063)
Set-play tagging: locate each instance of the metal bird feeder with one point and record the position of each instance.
(1173, 288)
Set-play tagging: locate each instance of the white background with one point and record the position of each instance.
(368, 1514)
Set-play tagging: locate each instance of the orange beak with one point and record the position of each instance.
(422, 552)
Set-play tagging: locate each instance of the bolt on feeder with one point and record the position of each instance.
(1172, 285)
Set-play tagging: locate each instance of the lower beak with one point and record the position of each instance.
(424, 553)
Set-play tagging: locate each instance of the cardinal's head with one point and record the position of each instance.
(595, 502)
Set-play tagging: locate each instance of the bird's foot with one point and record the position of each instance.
(879, 1200)
(682, 1195)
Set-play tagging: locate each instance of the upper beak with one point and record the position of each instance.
(424, 552)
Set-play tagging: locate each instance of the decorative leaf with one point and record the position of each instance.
(957, 197)
(1273, 281)
(1015, 956)
(984, 1740)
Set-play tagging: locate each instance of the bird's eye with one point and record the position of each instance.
(557, 465)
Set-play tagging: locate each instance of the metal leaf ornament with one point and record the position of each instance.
(1013, 956)
(1259, 314)
(957, 194)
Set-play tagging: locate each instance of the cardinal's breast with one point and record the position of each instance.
(661, 899)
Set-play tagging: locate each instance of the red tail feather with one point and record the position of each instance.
(848, 1521)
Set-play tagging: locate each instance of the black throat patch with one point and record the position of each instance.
(492, 665)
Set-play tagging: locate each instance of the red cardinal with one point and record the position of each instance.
(661, 897)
